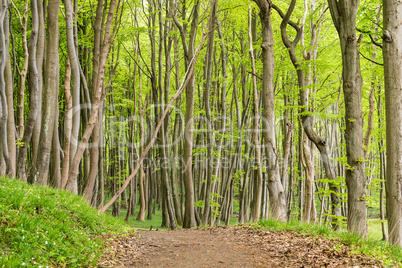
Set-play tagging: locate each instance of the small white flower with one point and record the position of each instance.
(46, 242)
(23, 237)
(23, 264)
(54, 243)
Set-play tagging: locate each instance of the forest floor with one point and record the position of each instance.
(235, 246)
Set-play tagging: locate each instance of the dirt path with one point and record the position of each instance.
(229, 247)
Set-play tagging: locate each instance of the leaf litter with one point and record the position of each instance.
(229, 246)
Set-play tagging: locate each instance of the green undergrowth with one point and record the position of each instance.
(41, 226)
(390, 255)
(155, 222)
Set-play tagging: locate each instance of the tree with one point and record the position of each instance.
(4, 42)
(34, 94)
(392, 51)
(39, 172)
(304, 82)
(344, 18)
(189, 52)
(277, 195)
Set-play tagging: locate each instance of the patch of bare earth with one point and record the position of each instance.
(238, 246)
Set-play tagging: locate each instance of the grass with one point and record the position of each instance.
(41, 226)
(132, 222)
(371, 246)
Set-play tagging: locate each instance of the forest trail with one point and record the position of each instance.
(229, 247)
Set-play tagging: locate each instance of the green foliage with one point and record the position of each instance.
(44, 226)
(199, 204)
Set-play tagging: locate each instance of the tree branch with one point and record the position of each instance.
(381, 64)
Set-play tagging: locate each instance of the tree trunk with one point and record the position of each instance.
(34, 88)
(23, 73)
(4, 43)
(277, 196)
(40, 51)
(210, 142)
(40, 170)
(392, 50)
(255, 210)
(189, 49)
(75, 70)
(344, 17)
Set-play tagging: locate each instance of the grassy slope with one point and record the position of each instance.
(44, 226)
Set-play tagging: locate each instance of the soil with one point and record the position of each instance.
(239, 246)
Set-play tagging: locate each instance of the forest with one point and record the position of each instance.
(205, 111)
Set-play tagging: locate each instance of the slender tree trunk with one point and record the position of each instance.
(277, 196)
(4, 43)
(55, 160)
(344, 17)
(23, 73)
(189, 50)
(98, 99)
(67, 126)
(10, 119)
(6, 104)
(34, 88)
(76, 80)
(307, 121)
(392, 50)
(40, 51)
(40, 170)
(258, 178)
(210, 142)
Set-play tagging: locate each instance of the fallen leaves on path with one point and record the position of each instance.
(238, 246)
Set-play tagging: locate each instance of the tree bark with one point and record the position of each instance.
(76, 84)
(40, 51)
(189, 49)
(392, 51)
(344, 17)
(255, 210)
(277, 196)
(34, 93)
(210, 142)
(39, 173)
(4, 43)
(99, 94)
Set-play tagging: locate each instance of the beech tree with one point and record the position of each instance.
(344, 17)
(392, 49)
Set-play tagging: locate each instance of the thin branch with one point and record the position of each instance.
(18, 12)
(381, 64)
(259, 77)
(375, 42)
(135, 61)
